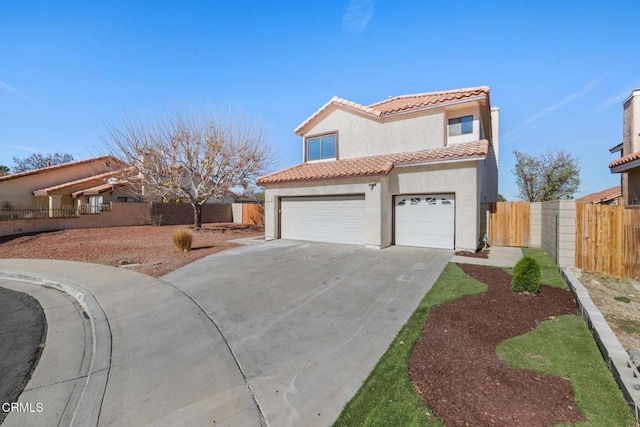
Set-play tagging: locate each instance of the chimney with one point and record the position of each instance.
(631, 123)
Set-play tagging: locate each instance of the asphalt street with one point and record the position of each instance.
(23, 329)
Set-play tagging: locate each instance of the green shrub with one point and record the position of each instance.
(182, 240)
(622, 298)
(526, 276)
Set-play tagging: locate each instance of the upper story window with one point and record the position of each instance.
(321, 147)
(460, 125)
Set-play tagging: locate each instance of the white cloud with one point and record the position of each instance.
(14, 91)
(358, 14)
(31, 149)
(531, 121)
(619, 97)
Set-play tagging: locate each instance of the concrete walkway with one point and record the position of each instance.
(499, 256)
(123, 348)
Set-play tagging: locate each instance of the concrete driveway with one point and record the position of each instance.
(307, 322)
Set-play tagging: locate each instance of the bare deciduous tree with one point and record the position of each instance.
(38, 161)
(551, 176)
(190, 158)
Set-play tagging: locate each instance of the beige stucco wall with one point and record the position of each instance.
(19, 191)
(121, 215)
(632, 192)
(459, 178)
(461, 111)
(360, 135)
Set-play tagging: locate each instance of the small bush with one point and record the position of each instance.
(182, 240)
(526, 276)
(622, 298)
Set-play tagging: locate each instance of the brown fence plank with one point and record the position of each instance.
(607, 240)
(509, 224)
(253, 213)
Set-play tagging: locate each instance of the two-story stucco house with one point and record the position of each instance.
(628, 165)
(410, 170)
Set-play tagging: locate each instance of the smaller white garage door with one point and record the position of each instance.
(425, 220)
(336, 219)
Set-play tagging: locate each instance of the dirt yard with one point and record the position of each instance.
(146, 249)
(619, 302)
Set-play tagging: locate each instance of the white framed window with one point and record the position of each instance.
(460, 125)
(321, 147)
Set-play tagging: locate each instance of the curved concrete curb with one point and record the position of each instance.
(85, 401)
(612, 351)
(166, 363)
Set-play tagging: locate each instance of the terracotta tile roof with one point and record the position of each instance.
(62, 166)
(420, 100)
(101, 188)
(400, 104)
(625, 159)
(373, 165)
(90, 181)
(601, 196)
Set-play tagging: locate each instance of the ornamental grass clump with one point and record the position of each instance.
(182, 240)
(526, 276)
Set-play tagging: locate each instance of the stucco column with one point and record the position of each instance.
(373, 215)
(270, 215)
(55, 202)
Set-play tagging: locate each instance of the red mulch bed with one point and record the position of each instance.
(455, 368)
(481, 254)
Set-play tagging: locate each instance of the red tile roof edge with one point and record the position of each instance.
(604, 195)
(376, 112)
(379, 165)
(88, 179)
(625, 159)
(60, 166)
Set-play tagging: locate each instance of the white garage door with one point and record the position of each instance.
(338, 219)
(425, 220)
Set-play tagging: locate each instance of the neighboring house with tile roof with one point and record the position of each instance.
(85, 185)
(410, 170)
(610, 196)
(628, 165)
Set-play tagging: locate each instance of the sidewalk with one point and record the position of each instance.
(499, 256)
(165, 361)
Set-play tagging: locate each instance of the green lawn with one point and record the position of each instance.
(549, 274)
(564, 347)
(387, 397)
(561, 346)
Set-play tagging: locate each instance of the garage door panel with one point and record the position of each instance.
(336, 219)
(425, 220)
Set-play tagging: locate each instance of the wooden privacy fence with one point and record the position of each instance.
(253, 213)
(509, 224)
(608, 240)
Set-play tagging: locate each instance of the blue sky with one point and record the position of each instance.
(558, 71)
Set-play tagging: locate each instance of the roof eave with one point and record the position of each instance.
(616, 148)
(300, 130)
(441, 161)
(328, 178)
(625, 166)
(434, 106)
